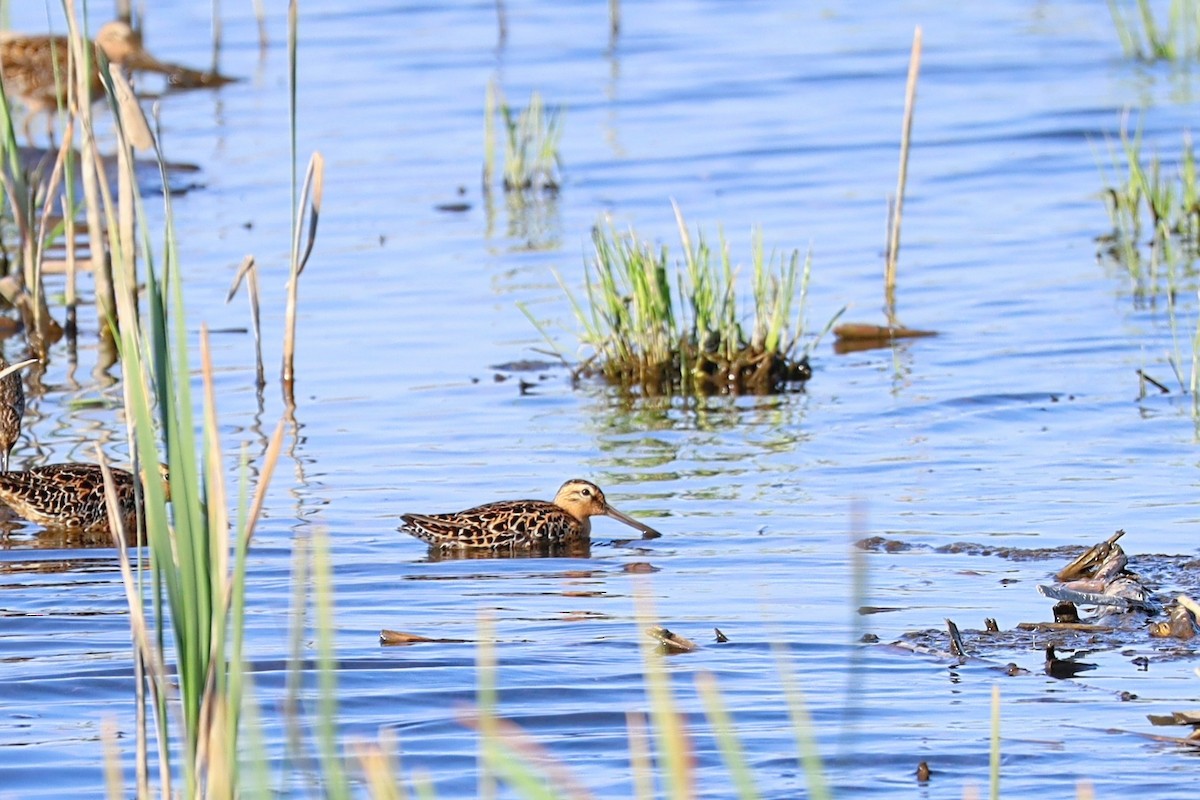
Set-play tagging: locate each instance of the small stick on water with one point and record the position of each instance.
(501, 24)
(1147, 379)
(216, 37)
(893, 249)
(956, 643)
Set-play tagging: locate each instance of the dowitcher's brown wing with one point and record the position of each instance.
(12, 409)
(29, 67)
(507, 524)
(64, 495)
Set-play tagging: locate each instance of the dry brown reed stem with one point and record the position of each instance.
(41, 311)
(210, 752)
(893, 248)
(639, 756)
(380, 768)
(113, 784)
(314, 183)
(501, 24)
(260, 14)
(90, 167)
(68, 218)
(513, 737)
(675, 757)
(248, 272)
(216, 37)
(134, 134)
(149, 656)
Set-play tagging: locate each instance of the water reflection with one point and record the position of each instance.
(18, 534)
(574, 549)
(532, 220)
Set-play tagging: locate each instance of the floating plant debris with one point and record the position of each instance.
(670, 642)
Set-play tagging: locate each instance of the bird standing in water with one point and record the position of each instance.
(516, 524)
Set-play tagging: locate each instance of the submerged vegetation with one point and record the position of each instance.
(1154, 209)
(1143, 36)
(531, 140)
(665, 328)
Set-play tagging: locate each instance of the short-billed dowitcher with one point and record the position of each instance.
(35, 67)
(31, 63)
(12, 409)
(515, 524)
(70, 496)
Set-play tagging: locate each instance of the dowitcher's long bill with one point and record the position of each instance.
(516, 524)
(69, 496)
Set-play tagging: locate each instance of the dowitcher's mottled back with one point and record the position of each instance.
(29, 64)
(515, 524)
(12, 410)
(68, 496)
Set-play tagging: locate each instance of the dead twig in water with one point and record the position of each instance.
(893, 249)
(855, 336)
(1143, 378)
(314, 182)
(249, 272)
(956, 643)
(390, 637)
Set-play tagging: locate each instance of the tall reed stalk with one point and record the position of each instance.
(189, 586)
(310, 201)
(893, 242)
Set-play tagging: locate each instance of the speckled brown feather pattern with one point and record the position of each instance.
(29, 63)
(520, 524)
(67, 496)
(12, 410)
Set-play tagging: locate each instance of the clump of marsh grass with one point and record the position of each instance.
(1143, 37)
(666, 327)
(531, 141)
(1154, 210)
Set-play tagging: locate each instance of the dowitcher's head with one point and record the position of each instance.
(582, 499)
(118, 41)
(164, 473)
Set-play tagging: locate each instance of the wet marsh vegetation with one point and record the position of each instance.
(750, 650)
(664, 326)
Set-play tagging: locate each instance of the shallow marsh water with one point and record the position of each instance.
(1019, 426)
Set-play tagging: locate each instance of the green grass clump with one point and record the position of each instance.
(1144, 38)
(531, 141)
(1155, 214)
(667, 327)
